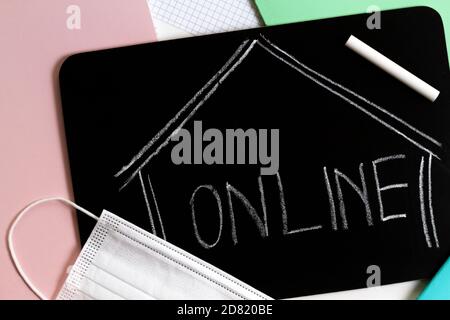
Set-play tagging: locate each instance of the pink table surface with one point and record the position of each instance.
(34, 40)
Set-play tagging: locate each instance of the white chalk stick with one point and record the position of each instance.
(392, 68)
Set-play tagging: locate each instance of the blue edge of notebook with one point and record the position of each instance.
(439, 286)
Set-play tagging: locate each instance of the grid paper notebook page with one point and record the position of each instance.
(205, 16)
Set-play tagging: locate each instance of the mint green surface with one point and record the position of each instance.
(439, 287)
(286, 11)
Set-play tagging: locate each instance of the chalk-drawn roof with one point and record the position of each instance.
(162, 138)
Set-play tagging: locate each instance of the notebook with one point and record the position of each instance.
(199, 17)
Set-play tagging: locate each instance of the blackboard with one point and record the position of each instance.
(360, 179)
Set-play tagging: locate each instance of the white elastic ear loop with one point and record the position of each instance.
(11, 242)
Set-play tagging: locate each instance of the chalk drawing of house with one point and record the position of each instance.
(425, 144)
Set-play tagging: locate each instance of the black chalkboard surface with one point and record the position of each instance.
(276, 154)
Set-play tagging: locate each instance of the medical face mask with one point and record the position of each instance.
(123, 261)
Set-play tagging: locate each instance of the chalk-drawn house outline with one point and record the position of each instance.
(162, 138)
